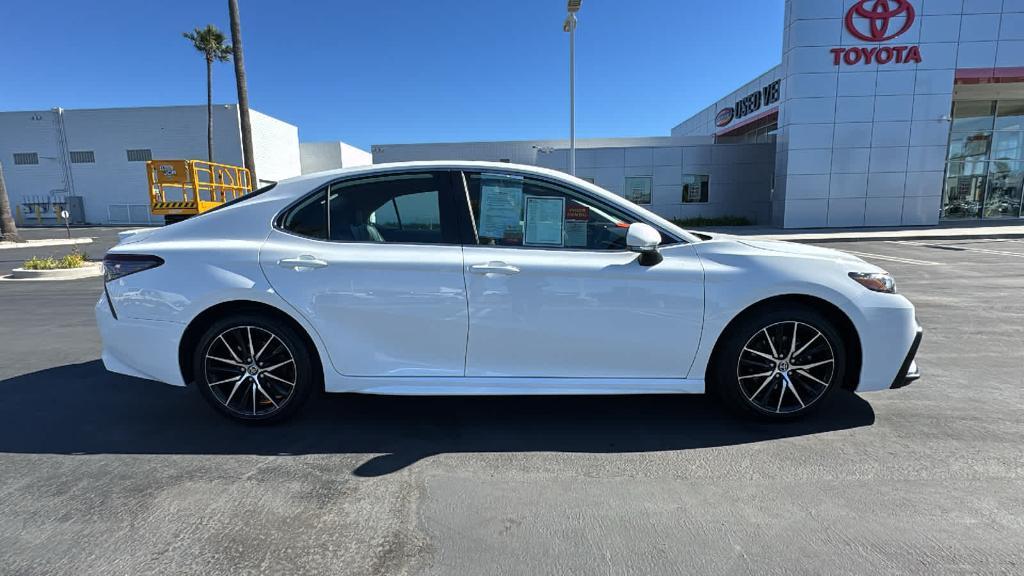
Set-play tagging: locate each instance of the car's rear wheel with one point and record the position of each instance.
(253, 368)
(780, 364)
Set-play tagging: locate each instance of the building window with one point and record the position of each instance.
(638, 189)
(26, 158)
(985, 161)
(140, 155)
(587, 178)
(695, 188)
(83, 157)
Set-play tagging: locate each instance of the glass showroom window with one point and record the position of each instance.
(984, 171)
(695, 188)
(638, 189)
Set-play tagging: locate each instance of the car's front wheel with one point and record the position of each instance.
(780, 364)
(253, 368)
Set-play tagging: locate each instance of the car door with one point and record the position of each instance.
(375, 265)
(554, 293)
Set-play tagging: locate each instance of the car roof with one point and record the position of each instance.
(317, 178)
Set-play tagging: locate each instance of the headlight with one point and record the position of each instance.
(875, 281)
(119, 265)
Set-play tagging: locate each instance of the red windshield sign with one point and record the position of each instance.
(878, 21)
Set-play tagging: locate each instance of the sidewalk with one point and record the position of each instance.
(45, 242)
(956, 231)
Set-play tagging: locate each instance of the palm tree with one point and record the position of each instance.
(8, 229)
(210, 42)
(243, 91)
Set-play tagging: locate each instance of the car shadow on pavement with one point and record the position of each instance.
(83, 409)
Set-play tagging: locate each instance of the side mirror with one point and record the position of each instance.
(643, 238)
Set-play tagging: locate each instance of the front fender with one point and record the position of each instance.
(739, 276)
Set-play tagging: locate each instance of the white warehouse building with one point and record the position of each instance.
(99, 155)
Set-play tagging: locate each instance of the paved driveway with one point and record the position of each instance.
(105, 474)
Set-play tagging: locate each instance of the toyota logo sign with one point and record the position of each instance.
(879, 20)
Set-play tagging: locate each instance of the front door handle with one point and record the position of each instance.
(304, 262)
(494, 268)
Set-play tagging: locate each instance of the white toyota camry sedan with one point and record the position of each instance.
(443, 278)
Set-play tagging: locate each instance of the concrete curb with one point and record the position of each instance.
(45, 243)
(847, 235)
(825, 239)
(89, 270)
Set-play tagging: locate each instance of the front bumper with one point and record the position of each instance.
(909, 372)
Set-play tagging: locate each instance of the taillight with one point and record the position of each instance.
(119, 265)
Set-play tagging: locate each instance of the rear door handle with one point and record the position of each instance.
(494, 268)
(304, 262)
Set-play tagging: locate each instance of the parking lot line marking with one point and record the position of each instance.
(958, 248)
(894, 258)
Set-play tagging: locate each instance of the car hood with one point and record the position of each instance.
(799, 249)
(805, 251)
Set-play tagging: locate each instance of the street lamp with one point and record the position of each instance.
(570, 26)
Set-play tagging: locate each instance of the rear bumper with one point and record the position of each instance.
(909, 372)
(140, 348)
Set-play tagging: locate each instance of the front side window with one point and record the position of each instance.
(511, 210)
(393, 208)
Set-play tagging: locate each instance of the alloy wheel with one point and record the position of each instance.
(250, 371)
(785, 367)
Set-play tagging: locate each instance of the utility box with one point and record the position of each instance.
(46, 210)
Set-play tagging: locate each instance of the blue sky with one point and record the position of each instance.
(400, 70)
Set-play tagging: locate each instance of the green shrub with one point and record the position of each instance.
(700, 221)
(73, 260)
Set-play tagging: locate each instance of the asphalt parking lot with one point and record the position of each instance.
(106, 474)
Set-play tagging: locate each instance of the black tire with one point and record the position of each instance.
(786, 387)
(232, 378)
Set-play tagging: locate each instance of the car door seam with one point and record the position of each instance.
(306, 324)
(703, 312)
(469, 323)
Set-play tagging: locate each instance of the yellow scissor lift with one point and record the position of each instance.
(179, 189)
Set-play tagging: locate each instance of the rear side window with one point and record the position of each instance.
(309, 217)
(393, 208)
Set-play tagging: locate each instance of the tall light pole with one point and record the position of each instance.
(570, 27)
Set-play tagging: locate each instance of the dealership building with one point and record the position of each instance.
(881, 113)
